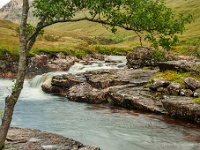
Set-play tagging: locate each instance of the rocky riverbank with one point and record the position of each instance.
(39, 64)
(124, 88)
(29, 139)
(128, 88)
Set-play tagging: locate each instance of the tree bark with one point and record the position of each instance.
(11, 100)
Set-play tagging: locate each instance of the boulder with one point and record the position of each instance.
(84, 92)
(191, 83)
(182, 107)
(181, 66)
(174, 89)
(159, 82)
(197, 93)
(146, 56)
(186, 92)
(29, 139)
(134, 98)
(37, 65)
(140, 57)
(65, 80)
(43, 63)
(105, 78)
(92, 86)
(93, 57)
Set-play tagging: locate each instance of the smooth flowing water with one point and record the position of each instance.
(100, 125)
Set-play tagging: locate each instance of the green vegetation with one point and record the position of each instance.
(174, 76)
(197, 100)
(68, 37)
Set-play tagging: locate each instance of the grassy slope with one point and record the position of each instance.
(188, 7)
(83, 35)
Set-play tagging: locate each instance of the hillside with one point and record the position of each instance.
(84, 35)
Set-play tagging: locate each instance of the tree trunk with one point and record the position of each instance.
(11, 100)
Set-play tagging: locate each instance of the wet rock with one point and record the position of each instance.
(93, 86)
(22, 139)
(197, 93)
(186, 92)
(44, 63)
(180, 66)
(159, 82)
(105, 78)
(84, 92)
(93, 57)
(39, 64)
(140, 57)
(191, 83)
(174, 89)
(182, 107)
(65, 80)
(144, 57)
(134, 98)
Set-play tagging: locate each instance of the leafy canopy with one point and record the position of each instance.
(150, 17)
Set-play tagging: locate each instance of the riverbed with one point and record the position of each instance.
(107, 127)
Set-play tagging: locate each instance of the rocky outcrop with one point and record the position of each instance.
(182, 107)
(29, 139)
(39, 64)
(12, 11)
(190, 88)
(146, 57)
(135, 98)
(94, 86)
(127, 88)
(181, 66)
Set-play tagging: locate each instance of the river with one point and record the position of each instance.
(100, 125)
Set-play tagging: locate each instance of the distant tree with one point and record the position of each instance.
(150, 16)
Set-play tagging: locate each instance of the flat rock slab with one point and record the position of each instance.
(135, 98)
(29, 139)
(180, 66)
(182, 107)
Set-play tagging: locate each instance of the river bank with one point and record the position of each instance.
(29, 139)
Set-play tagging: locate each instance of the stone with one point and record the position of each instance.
(159, 82)
(65, 80)
(104, 78)
(84, 92)
(197, 93)
(145, 56)
(134, 98)
(29, 139)
(37, 65)
(175, 88)
(140, 57)
(186, 92)
(180, 66)
(93, 57)
(182, 107)
(191, 83)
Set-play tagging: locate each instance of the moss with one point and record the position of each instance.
(172, 76)
(197, 100)
(148, 68)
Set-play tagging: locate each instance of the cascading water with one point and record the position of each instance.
(99, 125)
(81, 67)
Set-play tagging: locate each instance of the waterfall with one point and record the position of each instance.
(80, 67)
(40, 79)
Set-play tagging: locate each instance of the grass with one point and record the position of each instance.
(86, 37)
(174, 76)
(197, 100)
